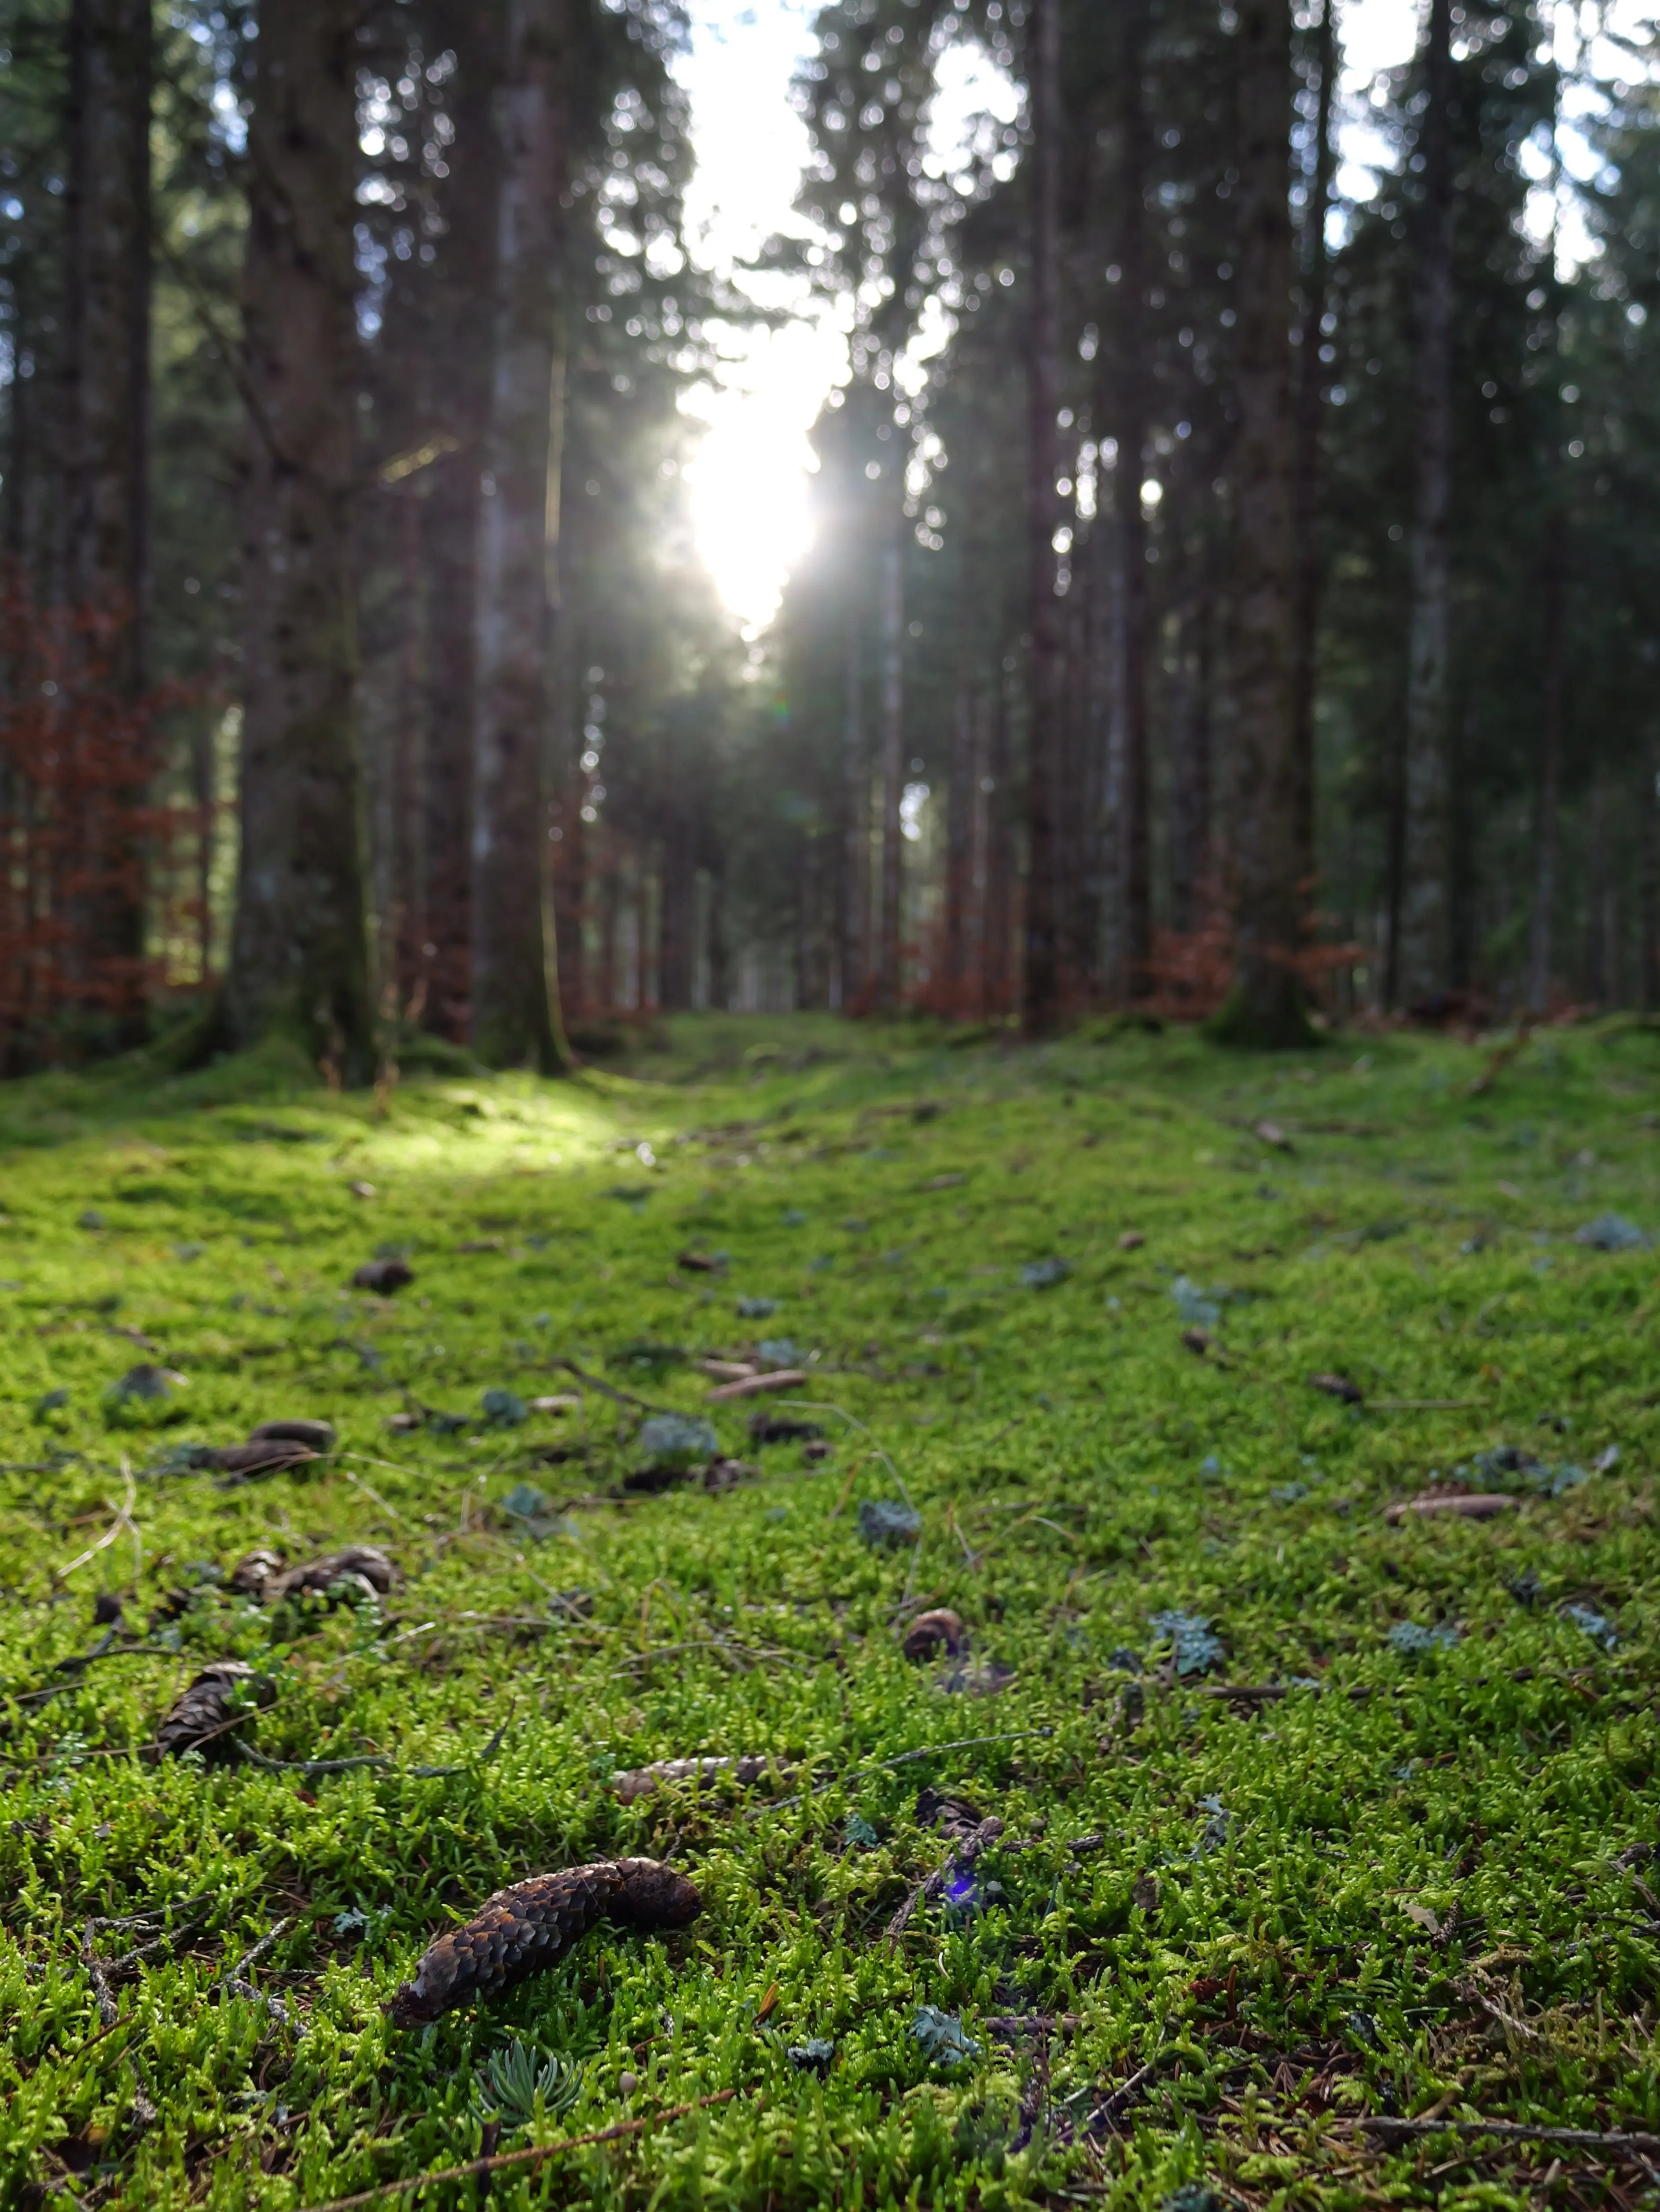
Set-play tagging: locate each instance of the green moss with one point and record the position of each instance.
(1321, 1904)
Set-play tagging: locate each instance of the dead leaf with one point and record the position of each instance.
(1146, 1892)
(728, 1371)
(1270, 1132)
(1131, 1241)
(1337, 1386)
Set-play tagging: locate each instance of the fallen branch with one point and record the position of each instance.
(1614, 2139)
(509, 2161)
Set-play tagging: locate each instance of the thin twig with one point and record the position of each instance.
(959, 1859)
(236, 1980)
(903, 1759)
(812, 1406)
(380, 1759)
(1615, 2139)
(504, 2160)
(617, 1397)
(123, 1520)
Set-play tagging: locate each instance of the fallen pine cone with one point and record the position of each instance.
(1197, 1341)
(727, 1474)
(254, 1570)
(365, 1563)
(929, 1630)
(241, 1462)
(1337, 1386)
(774, 1429)
(315, 1436)
(1131, 1241)
(106, 1610)
(636, 1782)
(200, 1718)
(699, 1263)
(754, 1385)
(523, 1929)
(1480, 1505)
(383, 1276)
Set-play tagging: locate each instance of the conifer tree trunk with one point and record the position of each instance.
(1266, 1006)
(1130, 425)
(893, 777)
(515, 1014)
(1542, 937)
(1043, 989)
(1424, 906)
(299, 957)
(852, 885)
(108, 296)
(1311, 388)
(458, 383)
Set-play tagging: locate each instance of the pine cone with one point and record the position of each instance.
(197, 1720)
(524, 1928)
(367, 1562)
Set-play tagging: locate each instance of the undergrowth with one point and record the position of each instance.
(1063, 1305)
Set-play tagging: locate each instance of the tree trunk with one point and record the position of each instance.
(299, 958)
(515, 1013)
(1266, 1006)
(108, 347)
(1129, 401)
(1189, 829)
(1044, 993)
(1311, 390)
(1002, 980)
(1598, 972)
(958, 853)
(854, 888)
(893, 776)
(1648, 817)
(1550, 764)
(1424, 902)
(458, 394)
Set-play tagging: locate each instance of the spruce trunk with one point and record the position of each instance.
(299, 958)
(1265, 1007)
(515, 1018)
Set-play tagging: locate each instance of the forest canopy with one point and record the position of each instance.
(1233, 584)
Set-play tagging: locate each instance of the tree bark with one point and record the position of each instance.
(1423, 964)
(1266, 1006)
(1648, 818)
(1043, 991)
(515, 1011)
(1550, 764)
(299, 958)
(893, 776)
(1311, 392)
(1190, 829)
(959, 852)
(458, 394)
(854, 886)
(107, 297)
(1130, 402)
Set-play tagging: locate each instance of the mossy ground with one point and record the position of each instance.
(1428, 1895)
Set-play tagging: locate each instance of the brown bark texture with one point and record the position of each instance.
(1266, 1006)
(1311, 398)
(1129, 406)
(299, 957)
(1044, 984)
(515, 1017)
(893, 778)
(107, 298)
(1424, 904)
(1541, 947)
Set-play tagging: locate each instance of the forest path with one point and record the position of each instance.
(1318, 1815)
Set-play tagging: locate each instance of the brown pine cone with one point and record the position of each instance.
(196, 1722)
(367, 1562)
(522, 1930)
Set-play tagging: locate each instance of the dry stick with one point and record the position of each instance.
(237, 1979)
(123, 1520)
(504, 2160)
(309, 1766)
(1514, 2132)
(617, 1397)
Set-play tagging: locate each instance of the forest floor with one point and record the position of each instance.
(1314, 1821)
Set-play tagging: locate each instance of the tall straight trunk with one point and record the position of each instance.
(893, 776)
(977, 941)
(1648, 817)
(299, 957)
(1043, 991)
(1598, 975)
(458, 391)
(404, 976)
(1266, 1006)
(1550, 763)
(1189, 827)
(677, 910)
(108, 355)
(1130, 404)
(1424, 917)
(1002, 979)
(1311, 388)
(515, 1012)
(959, 851)
(854, 882)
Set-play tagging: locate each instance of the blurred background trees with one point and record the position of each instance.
(1233, 581)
